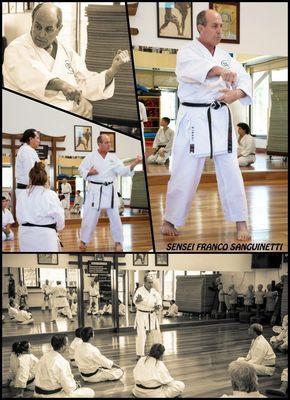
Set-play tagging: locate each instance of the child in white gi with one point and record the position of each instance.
(7, 221)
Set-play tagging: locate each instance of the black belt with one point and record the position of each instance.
(89, 374)
(21, 186)
(215, 105)
(101, 192)
(144, 387)
(30, 381)
(38, 390)
(51, 226)
(149, 312)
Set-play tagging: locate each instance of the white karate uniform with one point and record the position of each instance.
(89, 359)
(94, 294)
(152, 373)
(146, 318)
(22, 370)
(12, 312)
(194, 62)
(74, 309)
(237, 394)
(21, 291)
(60, 303)
(25, 159)
(72, 349)
(78, 203)
(27, 69)
(39, 206)
(7, 219)
(164, 137)
(66, 191)
(108, 170)
(53, 371)
(172, 311)
(143, 118)
(46, 290)
(23, 317)
(261, 356)
(107, 309)
(122, 309)
(282, 334)
(246, 151)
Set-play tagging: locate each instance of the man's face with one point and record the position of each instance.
(149, 283)
(35, 141)
(211, 33)
(4, 204)
(105, 146)
(64, 181)
(44, 29)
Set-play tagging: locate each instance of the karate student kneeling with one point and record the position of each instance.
(93, 366)
(39, 214)
(152, 378)
(53, 376)
(101, 169)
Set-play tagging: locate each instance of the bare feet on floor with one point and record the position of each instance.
(243, 233)
(83, 246)
(169, 229)
(118, 247)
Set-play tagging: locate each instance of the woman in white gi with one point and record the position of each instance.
(260, 355)
(26, 158)
(152, 378)
(93, 366)
(39, 214)
(24, 317)
(209, 79)
(47, 293)
(147, 301)
(7, 221)
(246, 145)
(60, 301)
(41, 66)
(22, 367)
(54, 377)
(101, 169)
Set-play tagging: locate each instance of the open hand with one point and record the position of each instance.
(229, 96)
(229, 76)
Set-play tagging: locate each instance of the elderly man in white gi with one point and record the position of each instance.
(41, 66)
(47, 294)
(101, 169)
(54, 377)
(209, 79)
(94, 293)
(26, 158)
(60, 302)
(261, 355)
(148, 302)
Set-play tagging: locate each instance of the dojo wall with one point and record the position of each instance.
(22, 113)
(263, 28)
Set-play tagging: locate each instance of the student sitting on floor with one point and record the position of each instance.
(93, 310)
(53, 376)
(107, 309)
(172, 310)
(24, 317)
(283, 389)
(12, 309)
(152, 378)
(7, 221)
(22, 367)
(93, 366)
(244, 380)
(74, 308)
(280, 342)
(77, 340)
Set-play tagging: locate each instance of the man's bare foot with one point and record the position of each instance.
(168, 229)
(118, 247)
(83, 246)
(243, 233)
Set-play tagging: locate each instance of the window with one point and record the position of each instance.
(7, 177)
(71, 277)
(30, 277)
(168, 286)
(280, 75)
(53, 275)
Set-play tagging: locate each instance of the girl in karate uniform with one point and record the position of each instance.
(39, 214)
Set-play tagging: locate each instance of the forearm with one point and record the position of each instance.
(55, 84)
(110, 75)
(215, 71)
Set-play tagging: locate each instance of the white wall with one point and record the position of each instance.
(21, 113)
(263, 28)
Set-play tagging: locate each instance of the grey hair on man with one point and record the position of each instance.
(243, 377)
(58, 12)
(201, 18)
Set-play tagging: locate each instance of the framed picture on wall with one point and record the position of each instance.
(47, 258)
(140, 259)
(112, 136)
(161, 259)
(83, 138)
(230, 14)
(174, 20)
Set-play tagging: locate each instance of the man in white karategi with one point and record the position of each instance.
(7, 221)
(60, 302)
(94, 293)
(22, 294)
(209, 79)
(162, 143)
(101, 169)
(47, 294)
(143, 118)
(66, 191)
(148, 302)
(26, 158)
(54, 377)
(261, 355)
(41, 66)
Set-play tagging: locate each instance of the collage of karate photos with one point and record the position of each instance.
(144, 199)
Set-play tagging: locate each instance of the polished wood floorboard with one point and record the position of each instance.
(267, 217)
(198, 356)
(137, 237)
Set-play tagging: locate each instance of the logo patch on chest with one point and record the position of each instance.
(68, 66)
(225, 64)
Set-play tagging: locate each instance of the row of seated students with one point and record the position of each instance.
(52, 374)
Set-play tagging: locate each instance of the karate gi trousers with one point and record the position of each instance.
(171, 390)
(10, 236)
(83, 392)
(104, 375)
(245, 161)
(262, 370)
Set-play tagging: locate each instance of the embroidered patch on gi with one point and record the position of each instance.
(225, 64)
(68, 66)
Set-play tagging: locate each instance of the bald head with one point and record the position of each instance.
(209, 26)
(48, 10)
(46, 24)
(148, 282)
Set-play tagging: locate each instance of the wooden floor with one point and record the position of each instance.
(137, 237)
(267, 217)
(198, 356)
